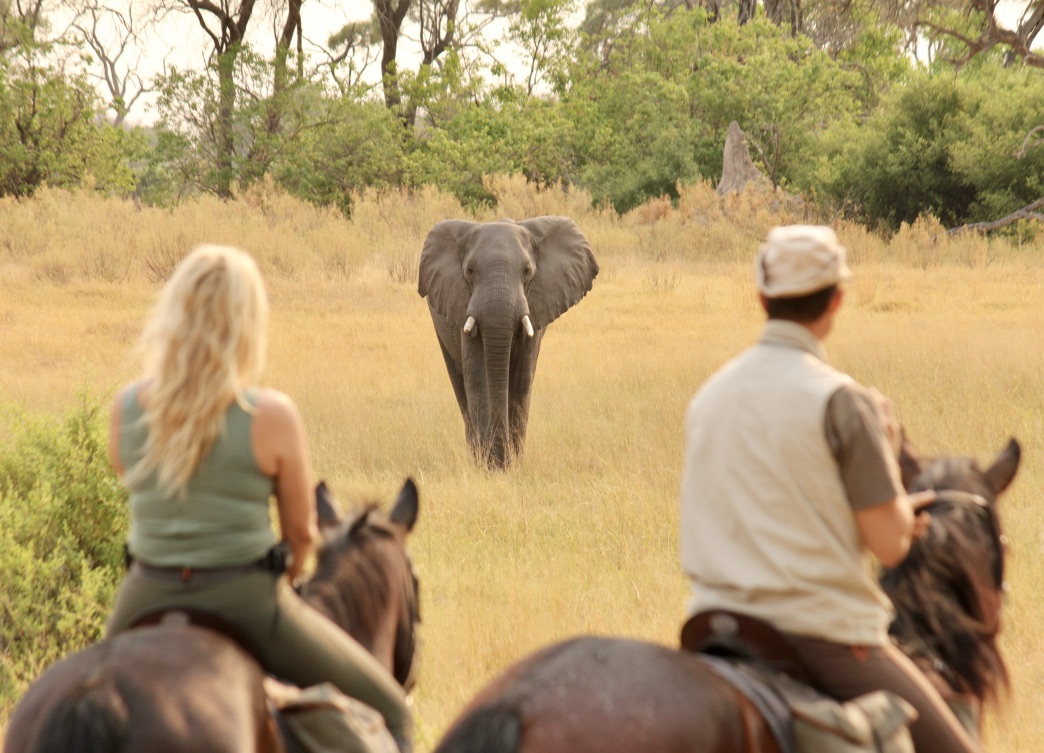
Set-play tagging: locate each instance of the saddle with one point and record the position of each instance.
(740, 637)
(759, 662)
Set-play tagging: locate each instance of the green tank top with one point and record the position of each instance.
(223, 518)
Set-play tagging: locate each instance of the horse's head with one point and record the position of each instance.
(948, 591)
(364, 580)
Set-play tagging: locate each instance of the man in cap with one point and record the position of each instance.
(791, 476)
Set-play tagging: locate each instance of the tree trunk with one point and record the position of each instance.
(276, 105)
(225, 126)
(390, 15)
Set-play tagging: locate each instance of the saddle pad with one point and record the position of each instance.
(322, 719)
(803, 720)
(769, 703)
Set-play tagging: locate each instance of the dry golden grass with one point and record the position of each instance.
(579, 537)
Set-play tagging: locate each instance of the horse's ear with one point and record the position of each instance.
(909, 464)
(406, 506)
(1002, 472)
(326, 506)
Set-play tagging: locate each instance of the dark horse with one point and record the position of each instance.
(176, 687)
(594, 694)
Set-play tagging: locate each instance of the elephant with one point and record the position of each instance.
(492, 289)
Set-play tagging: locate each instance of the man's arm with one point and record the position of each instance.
(888, 529)
(862, 431)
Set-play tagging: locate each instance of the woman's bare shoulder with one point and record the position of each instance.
(136, 387)
(275, 405)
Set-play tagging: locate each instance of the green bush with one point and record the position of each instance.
(937, 145)
(62, 527)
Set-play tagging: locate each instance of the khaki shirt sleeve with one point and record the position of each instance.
(869, 468)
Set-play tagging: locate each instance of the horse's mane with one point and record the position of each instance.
(938, 588)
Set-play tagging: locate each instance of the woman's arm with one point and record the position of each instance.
(281, 450)
(115, 419)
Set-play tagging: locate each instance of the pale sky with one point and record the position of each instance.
(180, 40)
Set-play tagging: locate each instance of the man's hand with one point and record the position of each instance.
(922, 520)
(922, 524)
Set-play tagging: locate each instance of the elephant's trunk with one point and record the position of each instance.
(496, 340)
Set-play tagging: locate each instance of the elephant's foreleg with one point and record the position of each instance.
(476, 389)
(523, 371)
(456, 376)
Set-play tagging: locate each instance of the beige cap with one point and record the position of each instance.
(797, 260)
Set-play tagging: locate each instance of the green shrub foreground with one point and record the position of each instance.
(62, 528)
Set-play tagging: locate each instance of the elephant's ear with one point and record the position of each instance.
(566, 268)
(441, 279)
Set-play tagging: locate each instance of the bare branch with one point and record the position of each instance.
(124, 87)
(1030, 142)
(993, 34)
(1027, 212)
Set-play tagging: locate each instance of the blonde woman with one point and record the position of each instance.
(202, 450)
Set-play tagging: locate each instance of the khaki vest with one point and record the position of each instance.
(766, 527)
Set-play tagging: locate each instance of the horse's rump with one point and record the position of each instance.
(607, 694)
(91, 717)
(84, 703)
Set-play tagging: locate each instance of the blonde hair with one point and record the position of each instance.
(203, 346)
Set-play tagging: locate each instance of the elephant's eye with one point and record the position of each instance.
(528, 271)
(468, 273)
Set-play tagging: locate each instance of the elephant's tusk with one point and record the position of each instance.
(469, 325)
(527, 325)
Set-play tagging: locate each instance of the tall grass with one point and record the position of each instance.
(579, 536)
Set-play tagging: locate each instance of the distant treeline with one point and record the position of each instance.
(630, 106)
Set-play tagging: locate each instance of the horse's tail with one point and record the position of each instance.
(92, 718)
(496, 728)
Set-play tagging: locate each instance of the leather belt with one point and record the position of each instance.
(189, 574)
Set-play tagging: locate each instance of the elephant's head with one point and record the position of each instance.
(495, 287)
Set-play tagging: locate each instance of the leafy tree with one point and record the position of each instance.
(441, 28)
(49, 130)
(226, 23)
(344, 148)
(782, 90)
(541, 32)
(478, 141)
(1000, 106)
(209, 149)
(187, 140)
(653, 108)
(939, 145)
(512, 134)
(634, 138)
(898, 165)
